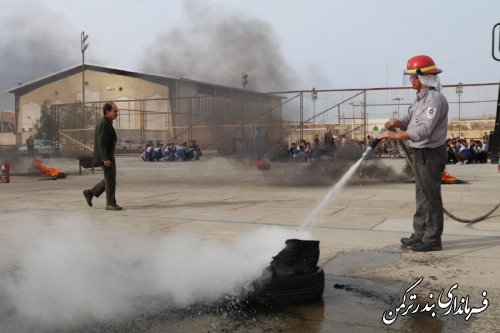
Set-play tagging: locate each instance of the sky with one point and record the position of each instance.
(283, 45)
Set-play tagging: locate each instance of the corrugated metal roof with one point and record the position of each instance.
(77, 68)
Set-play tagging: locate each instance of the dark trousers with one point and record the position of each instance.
(429, 216)
(108, 184)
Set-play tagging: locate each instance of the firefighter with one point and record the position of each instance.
(425, 126)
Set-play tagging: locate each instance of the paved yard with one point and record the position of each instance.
(194, 231)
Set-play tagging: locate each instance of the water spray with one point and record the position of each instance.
(336, 188)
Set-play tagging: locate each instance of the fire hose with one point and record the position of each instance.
(450, 215)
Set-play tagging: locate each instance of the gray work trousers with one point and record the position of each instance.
(429, 216)
(108, 184)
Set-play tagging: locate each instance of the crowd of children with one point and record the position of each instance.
(462, 152)
(171, 152)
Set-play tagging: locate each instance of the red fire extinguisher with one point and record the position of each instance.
(5, 172)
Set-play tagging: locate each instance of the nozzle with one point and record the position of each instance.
(374, 144)
(376, 141)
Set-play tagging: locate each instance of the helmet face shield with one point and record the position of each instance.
(408, 79)
(417, 81)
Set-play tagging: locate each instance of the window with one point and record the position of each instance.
(204, 89)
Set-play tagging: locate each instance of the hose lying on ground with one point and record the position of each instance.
(450, 215)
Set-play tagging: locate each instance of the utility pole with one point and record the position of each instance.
(365, 116)
(314, 96)
(459, 90)
(244, 105)
(398, 100)
(362, 116)
(244, 80)
(352, 119)
(83, 47)
(301, 108)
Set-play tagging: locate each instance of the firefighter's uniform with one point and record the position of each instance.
(426, 124)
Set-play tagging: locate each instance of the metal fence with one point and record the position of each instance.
(227, 122)
(211, 121)
(356, 113)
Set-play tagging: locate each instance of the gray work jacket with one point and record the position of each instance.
(427, 120)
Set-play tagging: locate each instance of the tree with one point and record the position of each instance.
(43, 125)
(73, 122)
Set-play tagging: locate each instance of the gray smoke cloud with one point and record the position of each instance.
(216, 46)
(33, 43)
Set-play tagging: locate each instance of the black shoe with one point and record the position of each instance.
(88, 196)
(409, 241)
(113, 207)
(426, 247)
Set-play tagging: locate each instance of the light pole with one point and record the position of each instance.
(33, 123)
(459, 90)
(83, 47)
(362, 104)
(244, 80)
(244, 83)
(398, 100)
(352, 120)
(314, 96)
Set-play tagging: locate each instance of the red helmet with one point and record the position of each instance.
(421, 65)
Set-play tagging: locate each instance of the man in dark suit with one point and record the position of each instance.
(30, 145)
(104, 153)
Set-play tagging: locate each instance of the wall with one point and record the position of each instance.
(7, 139)
(100, 86)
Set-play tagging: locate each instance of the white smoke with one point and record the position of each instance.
(74, 270)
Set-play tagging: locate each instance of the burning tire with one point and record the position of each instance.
(263, 165)
(290, 289)
(293, 276)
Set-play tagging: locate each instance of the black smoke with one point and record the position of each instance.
(33, 43)
(217, 46)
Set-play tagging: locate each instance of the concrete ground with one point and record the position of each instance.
(219, 200)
